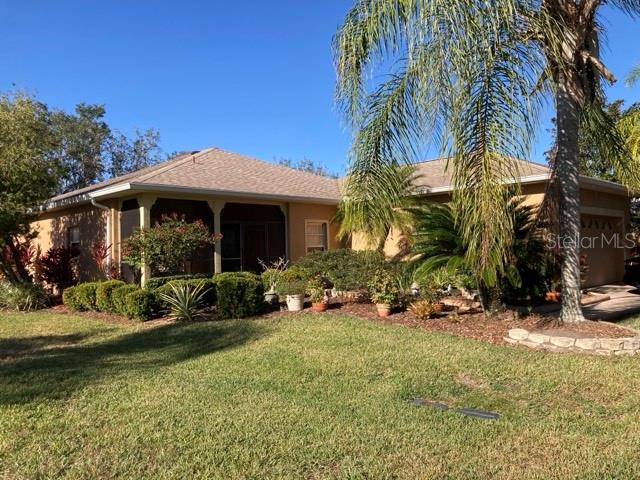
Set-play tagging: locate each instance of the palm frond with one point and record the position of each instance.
(617, 143)
(629, 7)
(375, 200)
(633, 77)
(465, 80)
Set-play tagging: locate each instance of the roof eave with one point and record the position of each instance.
(117, 190)
(593, 184)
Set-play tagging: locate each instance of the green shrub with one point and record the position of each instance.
(119, 297)
(156, 282)
(184, 299)
(22, 296)
(239, 294)
(383, 288)
(70, 299)
(293, 281)
(104, 292)
(346, 269)
(86, 296)
(141, 304)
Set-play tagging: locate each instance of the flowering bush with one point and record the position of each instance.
(167, 245)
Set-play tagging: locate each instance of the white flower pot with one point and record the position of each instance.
(295, 303)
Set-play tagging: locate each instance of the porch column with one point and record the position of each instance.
(145, 202)
(216, 207)
(285, 212)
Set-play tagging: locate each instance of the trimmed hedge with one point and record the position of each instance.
(346, 269)
(157, 282)
(70, 299)
(141, 304)
(119, 297)
(104, 293)
(240, 294)
(209, 299)
(85, 295)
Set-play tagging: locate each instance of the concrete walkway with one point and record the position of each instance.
(623, 302)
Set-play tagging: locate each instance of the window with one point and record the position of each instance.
(315, 232)
(73, 237)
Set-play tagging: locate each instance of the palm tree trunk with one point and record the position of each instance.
(568, 106)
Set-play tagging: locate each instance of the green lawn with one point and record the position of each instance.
(632, 321)
(302, 397)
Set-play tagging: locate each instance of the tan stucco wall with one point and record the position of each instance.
(52, 233)
(609, 211)
(297, 214)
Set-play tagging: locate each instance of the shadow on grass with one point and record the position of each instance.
(23, 346)
(60, 369)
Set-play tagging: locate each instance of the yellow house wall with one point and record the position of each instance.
(297, 214)
(606, 264)
(52, 233)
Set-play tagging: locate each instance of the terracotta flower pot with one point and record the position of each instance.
(438, 307)
(384, 309)
(319, 306)
(552, 296)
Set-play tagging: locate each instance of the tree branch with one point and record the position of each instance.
(598, 65)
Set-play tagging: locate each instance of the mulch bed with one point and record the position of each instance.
(472, 325)
(476, 325)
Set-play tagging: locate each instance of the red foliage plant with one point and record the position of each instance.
(58, 267)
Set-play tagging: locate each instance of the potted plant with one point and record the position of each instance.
(292, 285)
(382, 292)
(271, 277)
(318, 294)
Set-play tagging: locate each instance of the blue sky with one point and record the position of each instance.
(251, 76)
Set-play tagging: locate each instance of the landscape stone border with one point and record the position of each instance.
(552, 343)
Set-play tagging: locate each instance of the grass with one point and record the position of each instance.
(309, 396)
(632, 321)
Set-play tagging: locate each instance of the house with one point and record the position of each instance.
(605, 212)
(265, 211)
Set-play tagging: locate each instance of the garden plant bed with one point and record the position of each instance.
(477, 325)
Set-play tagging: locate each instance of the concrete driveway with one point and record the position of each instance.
(624, 301)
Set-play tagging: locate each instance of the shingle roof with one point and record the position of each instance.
(215, 169)
(224, 171)
(433, 173)
(120, 179)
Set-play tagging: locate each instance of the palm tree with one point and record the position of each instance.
(472, 75)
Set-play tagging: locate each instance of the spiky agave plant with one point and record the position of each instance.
(472, 75)
(184, 299)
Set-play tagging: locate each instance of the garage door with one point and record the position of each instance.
(601, 237)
